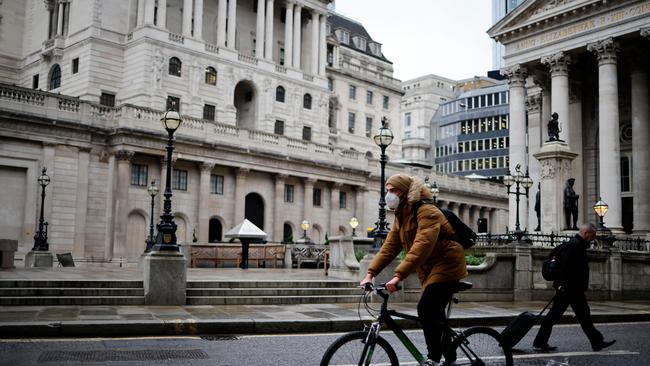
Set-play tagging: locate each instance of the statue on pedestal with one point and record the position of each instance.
(571, 205)
(554, 128)
(538, 206)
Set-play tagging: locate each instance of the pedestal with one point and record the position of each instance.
(8, 248)
(555, 159)
(165, 278)
(38, 259)
(343, 262)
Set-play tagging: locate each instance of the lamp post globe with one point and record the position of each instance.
(354, 223)
(433, 188)
(153, 192)
(601, 208)
(304, 225)
(166, 238)
(383, 139)
(40, 238)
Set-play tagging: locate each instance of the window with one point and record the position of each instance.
(279, 94)
(279, 127)
(306, 101)
(625, 174)
(139, 175)
(55, 77)
(173, 103)
(369, 95)
(179, 180)
(35, 81)
(345, 37)
(368, 126)
(175, 65)
(208, 112)
(330, 55)
(288, 193)
(343, 199)
(330, 84)
(210, 76)
(107, 99)
(216, 184)
(351, 119)
(386, 101)
(306, 133)
(362, 44)
(352, 92)
(75, 65)
(316, 197)
(407, 119)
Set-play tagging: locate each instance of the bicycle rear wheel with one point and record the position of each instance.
(480, 346)
(351, 349)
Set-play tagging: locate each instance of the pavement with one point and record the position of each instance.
(114, 321)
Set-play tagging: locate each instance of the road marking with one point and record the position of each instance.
(574, 354)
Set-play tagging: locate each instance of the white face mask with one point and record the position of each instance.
(392, 200)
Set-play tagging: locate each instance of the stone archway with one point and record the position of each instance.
(215, 231)
(254, 209)
(287, 233)
(244, 102)
(136, 234)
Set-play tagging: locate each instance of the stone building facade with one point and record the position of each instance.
(585, 60)
(83, 87)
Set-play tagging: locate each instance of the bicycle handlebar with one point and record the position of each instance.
(378, 289)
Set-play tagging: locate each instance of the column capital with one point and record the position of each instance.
(534, 103)
(558, 63)
(605, 50)
(281, 177)
(206, 167)
(645, 32)
(516, 75)
(242, 172)
(337, 185)
(309, 181)
(124, 155)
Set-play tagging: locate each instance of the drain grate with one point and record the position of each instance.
(126, 355)
(219, 338)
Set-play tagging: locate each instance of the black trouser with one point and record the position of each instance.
(431, 310)
(578, 302)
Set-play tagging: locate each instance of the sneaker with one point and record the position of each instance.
(544, 347)
(602, 344)
(429, 362)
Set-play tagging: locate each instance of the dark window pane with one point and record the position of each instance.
(55, 77)
(279, 94)
(139, 175)
(175, 65)
(179, 180)
(317, 196)
(209, 112)
(306, 133)
(279, 127)
(216, 184)
(107, 99)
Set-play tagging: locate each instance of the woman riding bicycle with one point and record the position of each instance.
(428, 239)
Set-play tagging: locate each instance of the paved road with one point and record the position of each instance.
(632, 349)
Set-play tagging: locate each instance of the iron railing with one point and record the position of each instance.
(551, 240)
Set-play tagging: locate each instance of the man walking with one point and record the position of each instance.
(572, 282)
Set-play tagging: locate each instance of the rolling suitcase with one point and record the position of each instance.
(520, 326)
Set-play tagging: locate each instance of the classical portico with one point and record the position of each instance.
(582, 59)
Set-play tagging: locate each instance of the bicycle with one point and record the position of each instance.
(477, 346)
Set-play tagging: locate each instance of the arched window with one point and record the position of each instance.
(279, 94)
(175, 66)
(210, 76)
(306, 101)
(55, 77)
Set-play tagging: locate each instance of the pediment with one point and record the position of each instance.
(533, 14)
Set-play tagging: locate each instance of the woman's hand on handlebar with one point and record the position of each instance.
(393, 284)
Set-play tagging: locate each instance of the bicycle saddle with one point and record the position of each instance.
(462, 286)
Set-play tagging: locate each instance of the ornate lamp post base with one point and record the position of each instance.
(39, 258)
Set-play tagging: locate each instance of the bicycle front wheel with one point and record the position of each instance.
(351, 349)
(479, 346)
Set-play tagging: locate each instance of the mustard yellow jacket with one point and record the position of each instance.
(429, 245)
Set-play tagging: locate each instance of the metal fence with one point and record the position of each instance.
(551, 240)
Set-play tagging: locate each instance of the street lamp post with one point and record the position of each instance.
(519, 179)
(304, 225)
(153, 191)
(40, 239)
(354, 222)
(601, 208)
(383, 139)
(166, 239)
(433, 188)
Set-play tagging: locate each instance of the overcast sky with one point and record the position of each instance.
(420, 37)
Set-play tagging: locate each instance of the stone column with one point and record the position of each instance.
(334, 208)
(360, 210)
(240, 195)
(609, 169)
(322, 58)
(149, 11)
(161, 18)
(641, 147)
(278, 225)
(198, 19)
(315, 27)
(221, 23)
(232, 23)
(535, 138)
(516, 75)
(559, 65)
(122, 201)
(288, 34)
(204, 199)
(297, 34)
(308, 201)
(81, 209)
(187, 18)
(59, 25)
(259, 30)
(268, 32)
(139, 14)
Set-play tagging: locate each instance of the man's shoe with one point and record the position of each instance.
(602, 344)
(429, 362)
(544, 347)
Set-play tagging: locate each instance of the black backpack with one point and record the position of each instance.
(551, 265)
(465, 236)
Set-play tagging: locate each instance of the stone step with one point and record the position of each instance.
(70, 284)
(265, 292)
(270, 300)
(272, 284)
(77, 300)
(70, 292)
